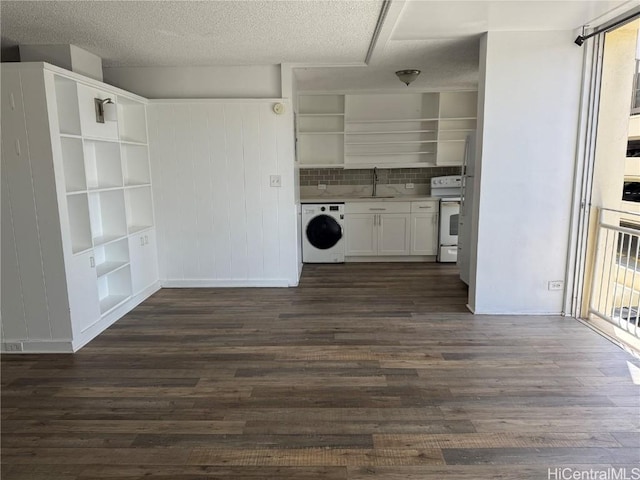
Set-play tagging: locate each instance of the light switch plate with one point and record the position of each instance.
(275, 180)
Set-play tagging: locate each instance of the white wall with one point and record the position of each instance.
(260, 81)
(220, 223)
(528, 141)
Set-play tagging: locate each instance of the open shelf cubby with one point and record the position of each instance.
(102, 163)
(107, 213)
(132, 120)
(75, 179)
(91, 128)
(139, 209)
(79, 222)
(114, 288)
(391, 107)
(320, 104)
(67, 103)
(458, 104)
(136, 164)
(111, 257)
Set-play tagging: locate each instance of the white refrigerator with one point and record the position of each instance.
(466, 209)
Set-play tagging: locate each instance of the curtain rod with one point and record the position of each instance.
(581, 38)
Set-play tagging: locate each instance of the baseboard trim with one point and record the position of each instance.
(210, 283)
(387, 259)
(36, 346)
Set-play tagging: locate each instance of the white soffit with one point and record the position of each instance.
(453, 18)
(178, 33)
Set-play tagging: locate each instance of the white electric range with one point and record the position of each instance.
(448, 189)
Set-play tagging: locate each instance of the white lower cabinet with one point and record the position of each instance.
(387, 229)
(361, 234)
(394, 233)
(377, 228)
(424, 233)
(424, 227)
(83, 291)
(144, 264)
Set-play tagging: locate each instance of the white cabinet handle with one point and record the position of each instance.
(426, 206)
(377, 209)
(146, 239)
(12, 101)
(92, 262)
(18, 151)
(142, 241)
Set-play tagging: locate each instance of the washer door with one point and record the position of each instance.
(323, 232)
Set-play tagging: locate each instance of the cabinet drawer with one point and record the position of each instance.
(427, 206)
(377, 207)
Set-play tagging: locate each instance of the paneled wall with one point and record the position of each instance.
(220, 223)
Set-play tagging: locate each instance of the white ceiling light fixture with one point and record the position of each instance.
(407, 76)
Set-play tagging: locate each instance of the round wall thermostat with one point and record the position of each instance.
(278, 108)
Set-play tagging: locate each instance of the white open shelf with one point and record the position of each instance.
(450, 153)
(67, 103)
(103, 165)
(73, 162)
(107, 213)
(323, 124)
(458, 105)
(111, 257)
(132, 120)
(90, 126)
(139, 209)
(391, 107)
(321, 104)
(135, 160)
(322, 150)
(114, 288)
(79, 222)
(384, 129)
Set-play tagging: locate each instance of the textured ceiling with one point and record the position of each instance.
(439, 37)
(146, 33)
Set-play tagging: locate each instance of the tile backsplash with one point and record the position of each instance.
(386, 176)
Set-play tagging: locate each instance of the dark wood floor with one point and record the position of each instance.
(364, 372)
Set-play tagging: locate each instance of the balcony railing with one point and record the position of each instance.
(615, 286)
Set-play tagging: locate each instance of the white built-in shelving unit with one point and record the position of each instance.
(91, 196)
(320, 125)
(384, 129)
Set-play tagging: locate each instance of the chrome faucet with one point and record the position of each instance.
(375, 180)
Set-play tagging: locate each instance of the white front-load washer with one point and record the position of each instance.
(323, 233)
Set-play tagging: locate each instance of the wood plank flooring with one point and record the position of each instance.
(366, 371)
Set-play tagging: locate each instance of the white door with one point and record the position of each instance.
(394, 233)
(449, 216)
(361, 234)
(144, 264)
(84, 301)
(424, 233)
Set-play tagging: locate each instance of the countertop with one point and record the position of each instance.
(341, 199)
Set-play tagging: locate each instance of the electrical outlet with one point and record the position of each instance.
(275, 180)
(409, 186)
(322, 186)
(13, 347)
(556, 285)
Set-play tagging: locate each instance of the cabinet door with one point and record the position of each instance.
(394, 234)
(424, 233)
(144, 263)
(361, 234)
(84, 301)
